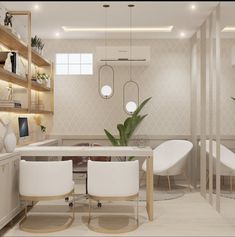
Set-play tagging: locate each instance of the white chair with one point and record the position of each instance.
(41, 181)
(113, 181)
(170, 158)
(227, 160)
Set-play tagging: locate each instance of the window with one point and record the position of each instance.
(74, 64)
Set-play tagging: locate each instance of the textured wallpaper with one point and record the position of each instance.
(80, 110)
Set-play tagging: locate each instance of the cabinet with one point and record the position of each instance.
(9, 187)
(35, 92)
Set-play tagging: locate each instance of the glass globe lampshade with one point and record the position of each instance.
(131, 107)
(106, 91)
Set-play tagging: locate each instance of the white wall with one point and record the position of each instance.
(80, 110)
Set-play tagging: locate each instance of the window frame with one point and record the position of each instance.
(79, 64)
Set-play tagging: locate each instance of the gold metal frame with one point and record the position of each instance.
(125, 198)
(42, 198)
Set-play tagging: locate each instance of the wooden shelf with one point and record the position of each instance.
(41, 112)
(39, 87)
(15, 110)
(13, 43)
(24, 111)
(13, 78)
(21, 81)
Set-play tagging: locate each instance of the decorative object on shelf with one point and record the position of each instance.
(130, 105)
(38, 120)
(41, 78)
(3, 11)
(106, 90)
(10, 92)
(10, 104)
(126, 130)
(8, 20)
(9, 138)
(37, 44)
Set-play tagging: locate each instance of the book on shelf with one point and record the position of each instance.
(10, 103)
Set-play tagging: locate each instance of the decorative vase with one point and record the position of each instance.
(9, 140)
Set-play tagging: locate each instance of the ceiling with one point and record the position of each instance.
(47, 21)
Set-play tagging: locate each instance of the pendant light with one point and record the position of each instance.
(130, 105)
(106, 89)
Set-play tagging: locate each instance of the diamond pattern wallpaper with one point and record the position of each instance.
(79, 110)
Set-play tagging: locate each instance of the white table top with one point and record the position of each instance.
(84, 151)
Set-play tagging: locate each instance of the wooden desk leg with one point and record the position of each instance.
(149, 188)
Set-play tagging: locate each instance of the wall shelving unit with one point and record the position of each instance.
(10, 41)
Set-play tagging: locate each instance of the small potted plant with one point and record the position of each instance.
(37, 44)
(43, 78)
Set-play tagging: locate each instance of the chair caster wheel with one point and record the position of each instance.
(99, 204)
(66, 199)
(71, 204)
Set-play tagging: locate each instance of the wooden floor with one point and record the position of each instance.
(189, 215)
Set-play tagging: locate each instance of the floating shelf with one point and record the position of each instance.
(15, 110)
(24, 111)
(41, 111)
(39, 87)
(13, 43)
(21, 81)
(13, 78)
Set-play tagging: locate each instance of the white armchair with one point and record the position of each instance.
(112, 181)
(170, 158)
(41, 181)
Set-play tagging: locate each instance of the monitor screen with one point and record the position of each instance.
(23, 127)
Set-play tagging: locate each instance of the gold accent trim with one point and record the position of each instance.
(43, 198)
(106, 231)
(46, 230)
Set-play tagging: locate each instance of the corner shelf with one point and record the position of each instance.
(13, 43)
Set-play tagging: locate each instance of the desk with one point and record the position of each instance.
(100, 151)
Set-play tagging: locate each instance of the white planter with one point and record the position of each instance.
(9, 140)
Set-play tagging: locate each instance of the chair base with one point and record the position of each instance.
(70, 220)
(46, 230)
(112, 231)
(103, 230)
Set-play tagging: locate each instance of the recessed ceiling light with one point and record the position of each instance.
(193, 7)
(57, 34)
(36, 7)
(228, 29)
(118, 29)
(182, 34)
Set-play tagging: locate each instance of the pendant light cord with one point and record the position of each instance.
(130, 6)
(105, 42)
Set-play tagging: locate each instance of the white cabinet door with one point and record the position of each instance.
(4, 189)
(14, 184)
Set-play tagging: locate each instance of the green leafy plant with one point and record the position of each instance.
(126, 130)
(37, 43)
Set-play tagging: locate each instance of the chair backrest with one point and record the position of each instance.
(113, 179)
(46, 178)
(172, 155)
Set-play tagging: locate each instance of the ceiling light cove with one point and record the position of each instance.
(117, 29)
(228, 29)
